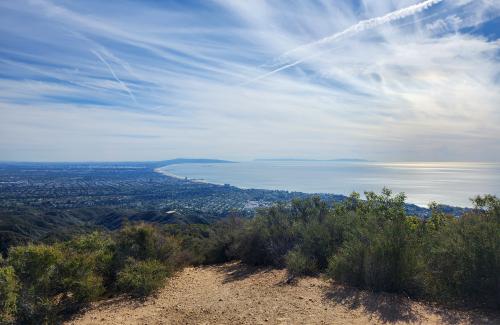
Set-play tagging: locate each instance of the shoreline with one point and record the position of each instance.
(160, 170)
(194, 180)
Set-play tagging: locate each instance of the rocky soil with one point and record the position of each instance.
(235, 294)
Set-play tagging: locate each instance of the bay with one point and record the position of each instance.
(452, 183)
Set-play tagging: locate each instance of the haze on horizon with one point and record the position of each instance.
(385, 80)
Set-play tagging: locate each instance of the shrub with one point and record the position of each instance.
(193, 241)
(141, 278)
(58, 278)
(37, 265)
(8, 294)
(87, 267)
(220, 246)
(298, 264)
(142, 242)
(380, 253)
(315, 242)
(347, 265)
(80, 279)
(38, 270)
(464, 255)
(268, 237)
(98, 249)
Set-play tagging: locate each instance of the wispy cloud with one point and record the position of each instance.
(351, 31)
(391, 80)
(122, 84)
(367, 24)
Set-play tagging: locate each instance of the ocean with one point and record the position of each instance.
(452, 183)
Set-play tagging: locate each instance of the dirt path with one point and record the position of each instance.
(234, 294)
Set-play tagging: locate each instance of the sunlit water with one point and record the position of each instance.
(444, 182)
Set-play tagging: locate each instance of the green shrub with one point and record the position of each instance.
(8, 294)
(315, 241)
(372, 254)
(53, 280)
(38, 270)
(464, 255)
(193, 241)
(58, 278)
(141, 278)
(220, 246)
(88, 266)
(268, 237)
(98, 249)
(37, 265)
(142, 242)
(348, 264)
(253, 246)
(80, 278)
(298, 264)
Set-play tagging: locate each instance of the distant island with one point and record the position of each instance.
(307, 159)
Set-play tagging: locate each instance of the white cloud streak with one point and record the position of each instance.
(368, 24)
(122, 84)
(351, 31)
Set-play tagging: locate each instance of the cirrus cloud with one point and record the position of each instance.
(405, 80)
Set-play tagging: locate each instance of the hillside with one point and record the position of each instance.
(234, 294)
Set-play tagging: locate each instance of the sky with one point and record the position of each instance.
(387, 80)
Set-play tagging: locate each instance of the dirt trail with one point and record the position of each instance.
(234, 294)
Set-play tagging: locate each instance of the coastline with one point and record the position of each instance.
(194, 180)
(164, 172)
(454, 209)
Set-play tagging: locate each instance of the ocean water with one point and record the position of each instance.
(452, 183)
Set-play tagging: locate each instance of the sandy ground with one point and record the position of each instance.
(234, 294)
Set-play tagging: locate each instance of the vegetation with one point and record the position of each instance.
(140, 278)
(370, 243)
(8, 294)
(41, 283)
(373, 244)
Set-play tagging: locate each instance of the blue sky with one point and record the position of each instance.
(393, 80)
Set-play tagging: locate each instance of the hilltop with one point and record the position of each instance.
(293, 259)
(235, 294)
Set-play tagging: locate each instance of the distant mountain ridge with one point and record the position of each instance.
(306, 159)
(190, 161)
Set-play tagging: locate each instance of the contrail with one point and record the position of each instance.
(124, 85)
(353, 30)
